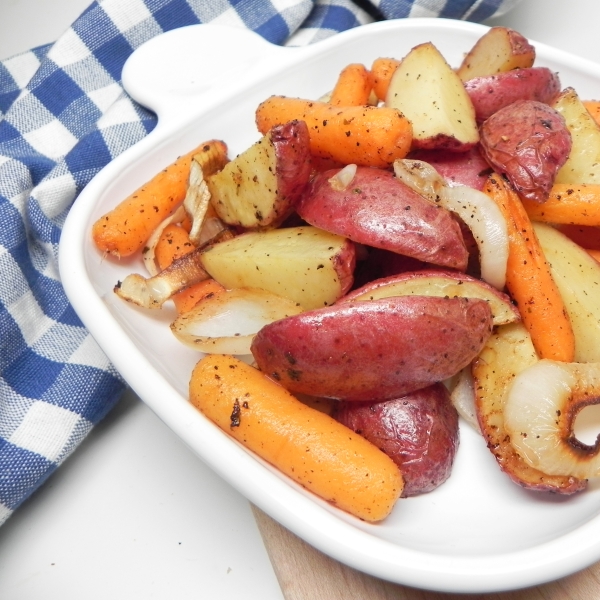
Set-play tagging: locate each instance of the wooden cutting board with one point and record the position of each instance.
(304, 573)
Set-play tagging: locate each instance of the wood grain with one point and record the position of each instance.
(304, 573)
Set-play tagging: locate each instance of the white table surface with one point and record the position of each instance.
(133, 514)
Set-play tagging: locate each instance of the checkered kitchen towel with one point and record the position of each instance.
(63, 116)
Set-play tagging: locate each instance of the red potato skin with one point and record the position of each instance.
(527, 142)
(378, 210)
(373, 350)
(419, 432)
(468, 168)
(490, 94)
(294, 167)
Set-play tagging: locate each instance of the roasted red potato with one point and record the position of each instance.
(419, 432)
(377, 210)
(373, 350)
(490, 94)
(528, 142)
(260, 187)
(426, 90)
(501, 49)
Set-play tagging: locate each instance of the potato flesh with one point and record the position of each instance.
(310, 266)
(501, 49)
(432, 96)
(260, 186)
(444, 285)
(577, 277)
(507, 352)
(583, 164)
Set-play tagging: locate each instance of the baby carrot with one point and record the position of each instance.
(190, 296)
(365, 135)
(593, 107)
(307, 445)
(568, 204)
(353, 86)
(125, 229)
(529, 281)
(173, 242)
(382, 70)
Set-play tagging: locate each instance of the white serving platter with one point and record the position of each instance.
(476, 533)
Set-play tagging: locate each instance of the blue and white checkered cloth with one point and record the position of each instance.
(63, 116)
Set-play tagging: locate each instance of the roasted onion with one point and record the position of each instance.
(477, 211)
(540, 413)
(226, 322)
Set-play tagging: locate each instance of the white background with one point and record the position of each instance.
(133, 513)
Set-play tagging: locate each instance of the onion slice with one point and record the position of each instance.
(462, 396)
(226, 322)
(540, 413)
(153, 292)
(197, 200)
(343, 178)
(476, 209)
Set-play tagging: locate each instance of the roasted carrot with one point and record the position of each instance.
(529, 280)
(353, 86)
(364, 135)
(188, 298)
(595, 254)
(307, 445)
(593, 107)
(382, 70)
(125, 229)
(572, 204)
(173, 242)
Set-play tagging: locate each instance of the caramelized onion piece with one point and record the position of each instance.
(154, 291)
(226, 322)
(343, 178)
(477, 211)
(462, 396)
(197, 200)
(540, 413)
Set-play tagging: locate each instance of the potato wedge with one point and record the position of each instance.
(260, 187)
(490, 94)
(583, 163)
(310, 266)
(376, 209)
(500, 49)
(445, 284)
(373, 350)
(507, 352)
(431, 95)
(419, 432)
(577, 276)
